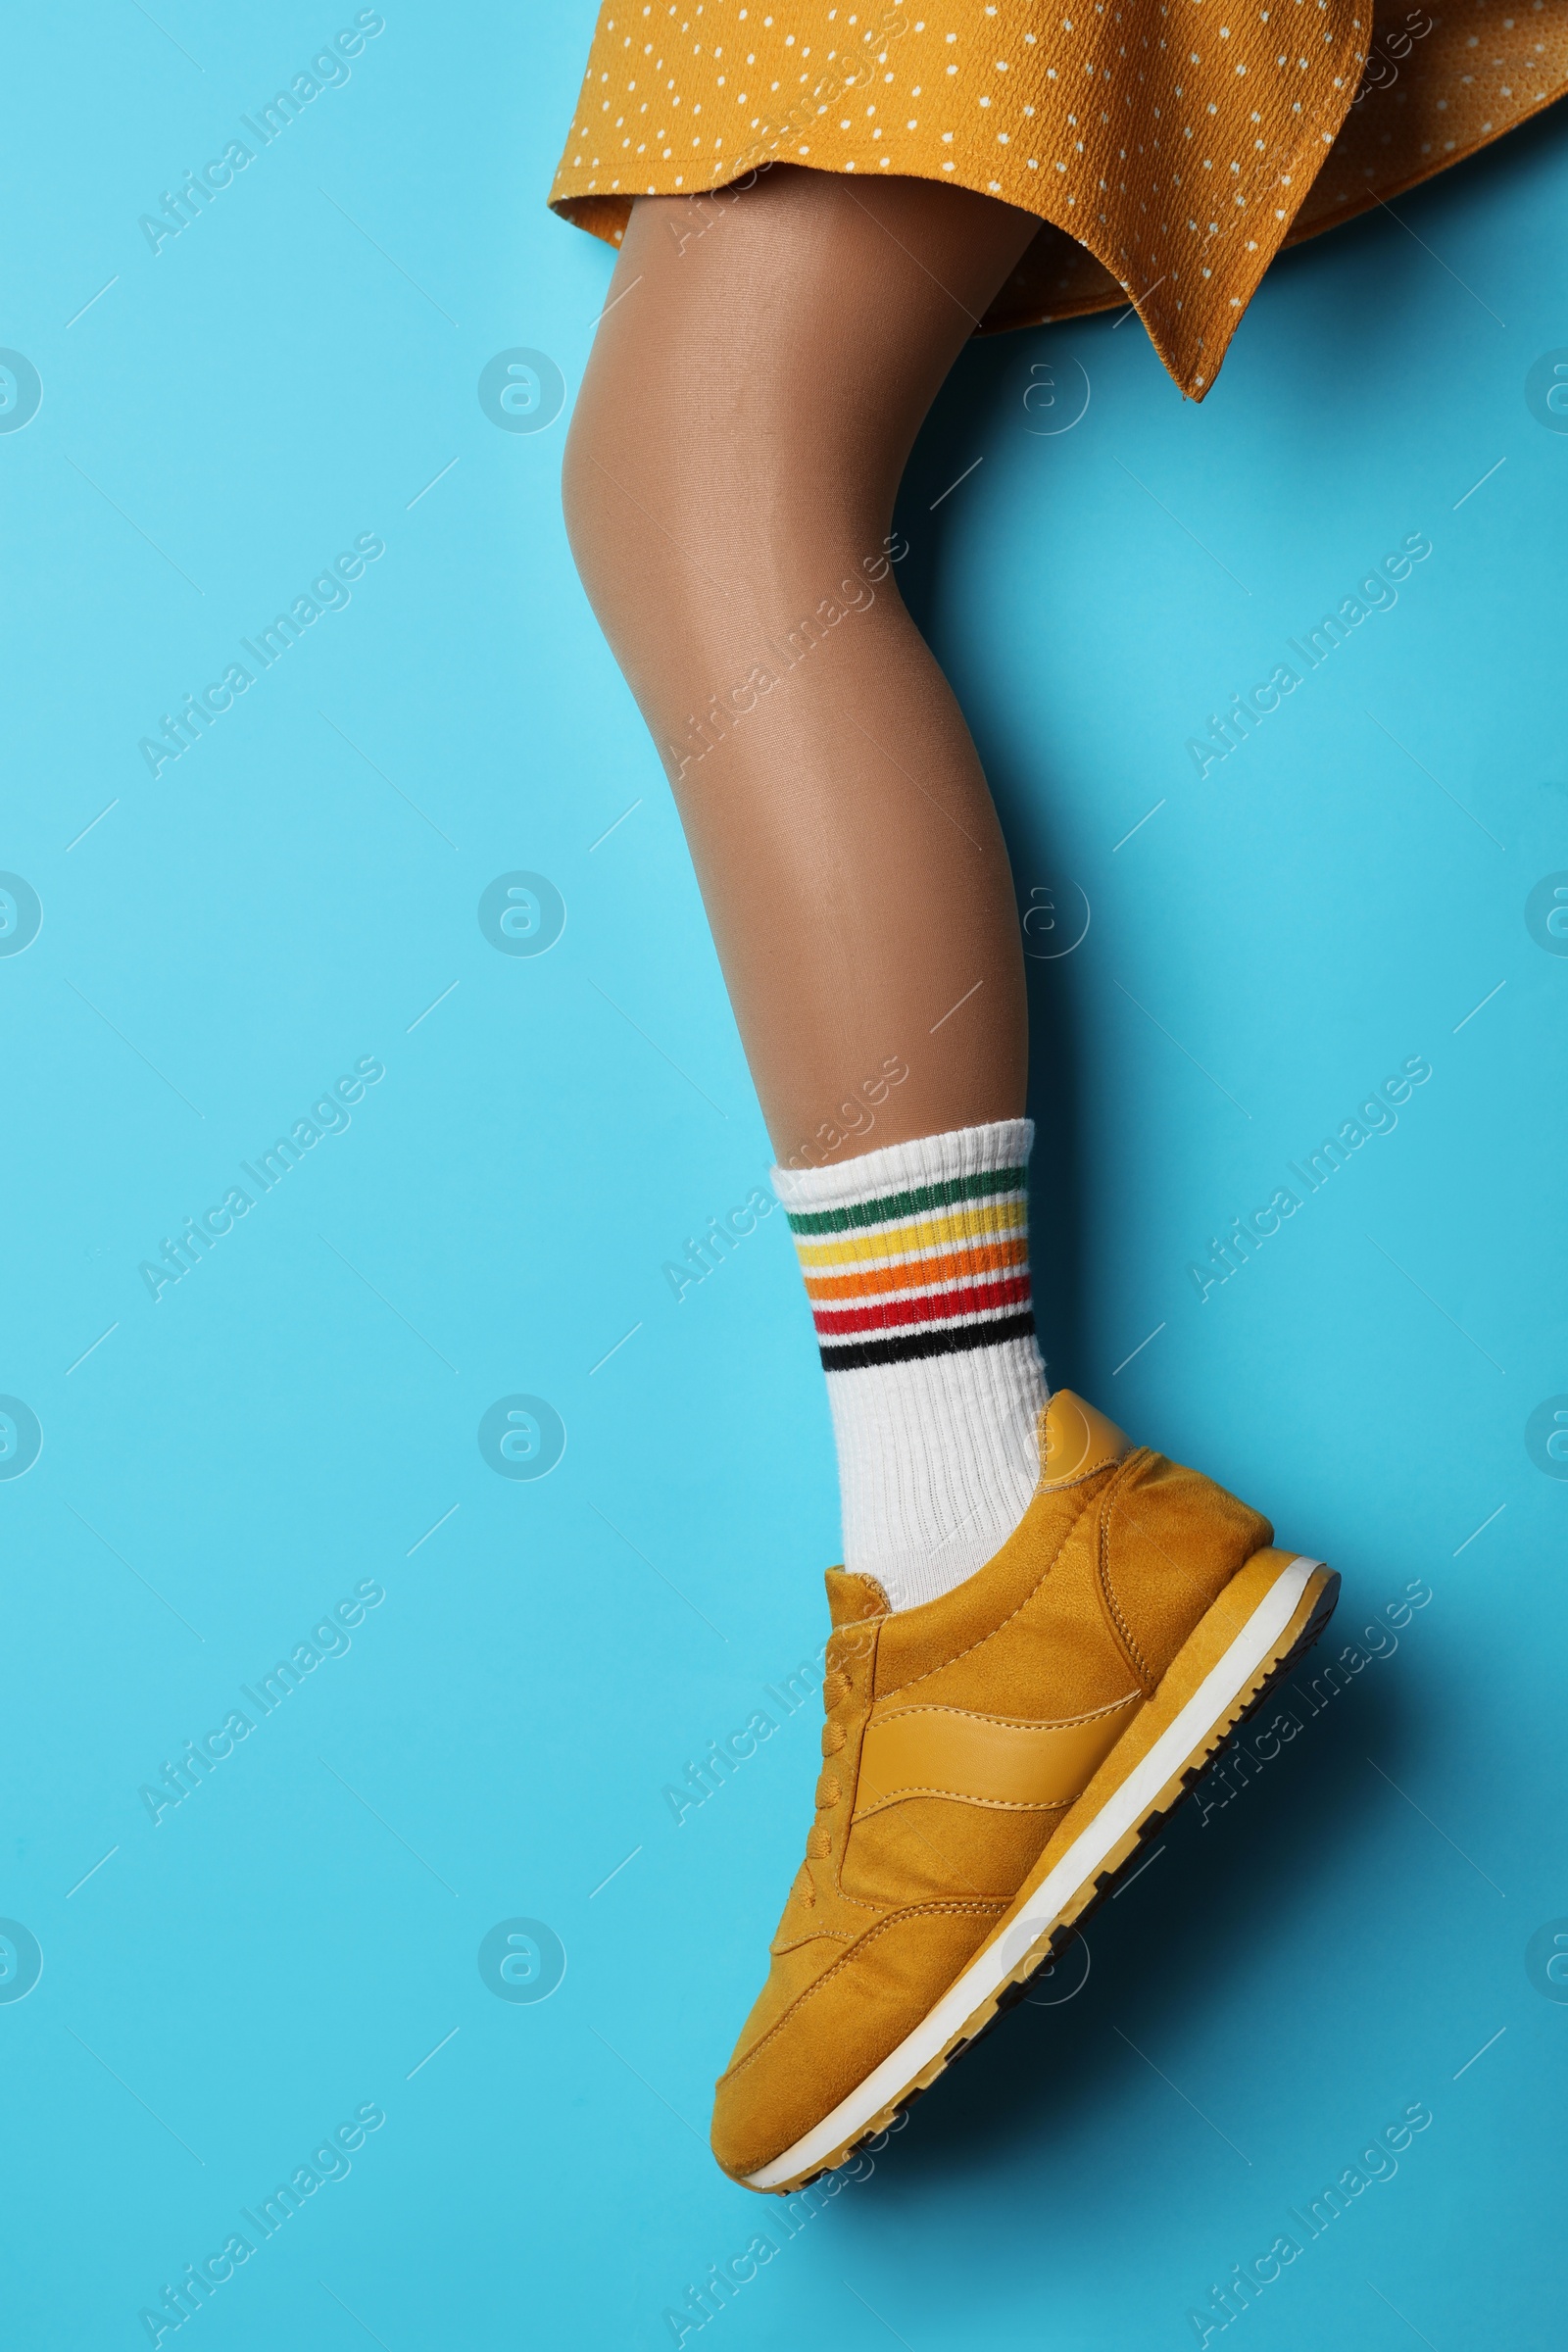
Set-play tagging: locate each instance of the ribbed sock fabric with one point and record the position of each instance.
(916, 1262)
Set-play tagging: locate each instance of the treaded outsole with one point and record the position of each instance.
(1202, 1762)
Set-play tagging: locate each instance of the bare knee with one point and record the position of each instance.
(594, 511)
(647, 533)
(590, 522)
(741, 426)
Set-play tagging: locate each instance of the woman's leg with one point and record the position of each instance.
(752, 398)
(763, 367)
(751, 401)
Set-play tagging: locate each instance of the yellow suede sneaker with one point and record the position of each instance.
(990, 1761)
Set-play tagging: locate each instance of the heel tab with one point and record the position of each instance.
(852, 1598)
(1075, 1440)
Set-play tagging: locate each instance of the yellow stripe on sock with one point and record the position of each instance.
(981, 1223)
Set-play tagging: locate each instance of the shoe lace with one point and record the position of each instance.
(838, 1684)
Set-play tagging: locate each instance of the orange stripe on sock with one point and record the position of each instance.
(869, 1282)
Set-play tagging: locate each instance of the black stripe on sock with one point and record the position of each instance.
(859, 1355)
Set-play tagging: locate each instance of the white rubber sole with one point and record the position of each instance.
(1077, 1870)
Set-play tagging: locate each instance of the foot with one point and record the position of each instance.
(991, 1760)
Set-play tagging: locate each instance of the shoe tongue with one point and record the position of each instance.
(852, 1598)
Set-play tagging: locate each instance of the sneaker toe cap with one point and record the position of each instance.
(786, 2076)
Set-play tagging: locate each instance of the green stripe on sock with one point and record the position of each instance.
(894, 1206)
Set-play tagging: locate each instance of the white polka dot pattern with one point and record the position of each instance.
(1168, 147)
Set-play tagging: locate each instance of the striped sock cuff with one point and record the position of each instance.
(918, 1251)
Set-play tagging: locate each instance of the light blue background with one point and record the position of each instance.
(290, 1419)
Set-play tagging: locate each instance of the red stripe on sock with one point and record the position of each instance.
(977, 1298)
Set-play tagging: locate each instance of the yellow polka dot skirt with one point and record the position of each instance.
(1168, 147)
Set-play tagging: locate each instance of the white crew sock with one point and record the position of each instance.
(916, 1261)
